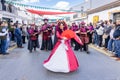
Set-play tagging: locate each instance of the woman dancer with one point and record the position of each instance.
(62, 58)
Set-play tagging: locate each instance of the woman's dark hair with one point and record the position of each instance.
(15, 25)
(91, 24)
(58, 27)
(115, 24)
(106, 22)
(110, 20)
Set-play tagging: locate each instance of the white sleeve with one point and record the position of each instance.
(2, 34)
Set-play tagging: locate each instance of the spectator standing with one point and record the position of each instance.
(18, 35)
(107, 29)
(3, 37)
(110, 46)
(24, 34)
(116, 35)
(100, 31)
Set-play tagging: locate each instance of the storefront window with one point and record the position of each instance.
(116, 16)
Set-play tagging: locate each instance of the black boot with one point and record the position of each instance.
(30, 51)
(34, 49)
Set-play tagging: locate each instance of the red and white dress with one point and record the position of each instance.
(62, 58)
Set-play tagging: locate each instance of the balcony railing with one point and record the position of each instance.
(7, 7)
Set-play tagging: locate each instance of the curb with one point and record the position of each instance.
(13, 47)
(10, 49)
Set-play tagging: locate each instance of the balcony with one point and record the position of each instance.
(7, 7)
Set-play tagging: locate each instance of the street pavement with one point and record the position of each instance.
(22, 65)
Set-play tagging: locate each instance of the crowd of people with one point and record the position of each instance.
(103, 34)
(11, 32)
(106, 35)
(61, 39)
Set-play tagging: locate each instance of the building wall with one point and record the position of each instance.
(104, 15)
(85, 5)
(92, 4)
(99, 3)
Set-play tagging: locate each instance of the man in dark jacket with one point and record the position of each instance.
(116, 35)
(18, 35)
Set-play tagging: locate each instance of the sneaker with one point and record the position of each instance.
(6, 53)
(113, 56)
(114, 53)
(30, 51)
(110, 52)
(21, 47)
(34, 49)
(1, 54)
(88, 52)
(118, 59)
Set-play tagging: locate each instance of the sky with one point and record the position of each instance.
(59, 4)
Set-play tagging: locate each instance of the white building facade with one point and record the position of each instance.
(113, 13)
(96, 10)
(10, 12)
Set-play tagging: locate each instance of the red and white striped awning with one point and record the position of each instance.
(40, 12)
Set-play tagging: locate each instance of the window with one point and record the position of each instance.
(68, 19)
(3, 5)
(116, 16)
(10, 8)
(75, 16)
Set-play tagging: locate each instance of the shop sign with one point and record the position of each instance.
(95, 19)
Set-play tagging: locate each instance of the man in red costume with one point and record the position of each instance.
(84, 36)
(46, 31)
